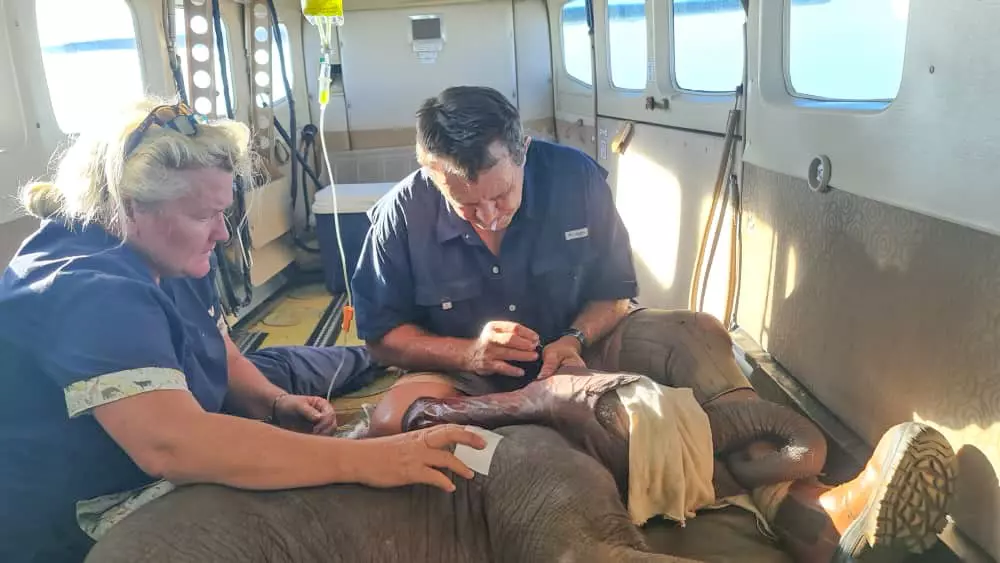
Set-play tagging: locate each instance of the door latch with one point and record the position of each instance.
(652, 103)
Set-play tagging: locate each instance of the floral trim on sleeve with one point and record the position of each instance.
(83, 396)
(96, 516)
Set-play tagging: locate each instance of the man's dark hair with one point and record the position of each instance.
(461, 123)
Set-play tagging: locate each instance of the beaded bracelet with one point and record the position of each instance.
(273, 418)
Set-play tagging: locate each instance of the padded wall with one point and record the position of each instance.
(885, 315)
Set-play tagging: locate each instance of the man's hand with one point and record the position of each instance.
(499, 343)
(302, 413)
(563, 352)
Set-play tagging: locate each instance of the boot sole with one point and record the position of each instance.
(910, 507)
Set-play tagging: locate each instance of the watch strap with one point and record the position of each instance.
(578, 335)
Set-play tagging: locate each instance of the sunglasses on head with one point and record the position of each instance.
(178, 117)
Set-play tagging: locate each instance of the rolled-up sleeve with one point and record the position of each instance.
(612, 274)
(383, 283)
(111, 340)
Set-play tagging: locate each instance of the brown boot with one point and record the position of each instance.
(896, 505)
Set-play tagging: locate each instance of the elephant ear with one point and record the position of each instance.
(799, 447)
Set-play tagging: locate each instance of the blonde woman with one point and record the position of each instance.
(115, 371)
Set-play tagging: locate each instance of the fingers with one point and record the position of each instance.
(548, 368)
(448, 435)
(527, 333)
(512, 355)
(447, 460)
(515, 330)
(574, 361)
(552, 359)
(514, 341)
(309, 410)
(435, 478)
(327, 424)
(503, 368)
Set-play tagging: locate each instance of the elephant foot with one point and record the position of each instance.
(897, 504)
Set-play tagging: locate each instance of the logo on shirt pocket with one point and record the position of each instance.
(577, 233)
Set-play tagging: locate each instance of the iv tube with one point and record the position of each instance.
(325, 15)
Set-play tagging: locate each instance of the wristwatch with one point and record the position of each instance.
(578, 335)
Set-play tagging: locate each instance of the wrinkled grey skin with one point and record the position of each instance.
(543, 501)
(548, 498)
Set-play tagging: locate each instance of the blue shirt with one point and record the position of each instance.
(566, 246)
(85, 323)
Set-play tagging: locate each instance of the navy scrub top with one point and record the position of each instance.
(83, 323)
(566, 246)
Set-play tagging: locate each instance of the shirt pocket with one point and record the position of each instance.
(559, 278)
(452, 307)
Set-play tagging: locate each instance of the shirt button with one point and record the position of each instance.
(496, 269)
(512, 308)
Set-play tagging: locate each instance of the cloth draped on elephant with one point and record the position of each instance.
(671, 458)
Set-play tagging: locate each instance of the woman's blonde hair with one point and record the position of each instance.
(95, 182)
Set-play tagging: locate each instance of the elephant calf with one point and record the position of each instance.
(553, 493)
(543, 501)
(899, 500)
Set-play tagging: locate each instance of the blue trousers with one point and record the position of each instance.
(311, 370)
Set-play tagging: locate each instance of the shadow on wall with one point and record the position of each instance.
(886, 316)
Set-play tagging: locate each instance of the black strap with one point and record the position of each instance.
(242, 229)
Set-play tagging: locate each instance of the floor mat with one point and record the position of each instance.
(300, 315)
(309, 315)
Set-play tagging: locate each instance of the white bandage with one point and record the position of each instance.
(479, 460)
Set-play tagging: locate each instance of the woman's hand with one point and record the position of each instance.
(411, 458)
(302, 413)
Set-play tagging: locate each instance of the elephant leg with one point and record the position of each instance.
(800, 448)
(674, 348)
(601, 428)
(550, 403)
(548, 501)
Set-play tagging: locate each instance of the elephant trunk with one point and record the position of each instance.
(800, 447)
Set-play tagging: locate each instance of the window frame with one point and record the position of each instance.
(43, 73)
(822, 102)
(562, 47)
(672, 51)
(610, 69)
(276, 63)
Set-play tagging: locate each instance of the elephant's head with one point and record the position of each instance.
(799, 447)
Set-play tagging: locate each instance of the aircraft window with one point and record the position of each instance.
(847, 49)
(277, 80)
(576, 42)
(627, 43)
(708, 44)
(85, 41)
(201, 53)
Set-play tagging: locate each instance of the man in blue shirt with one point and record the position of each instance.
(498, 261)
